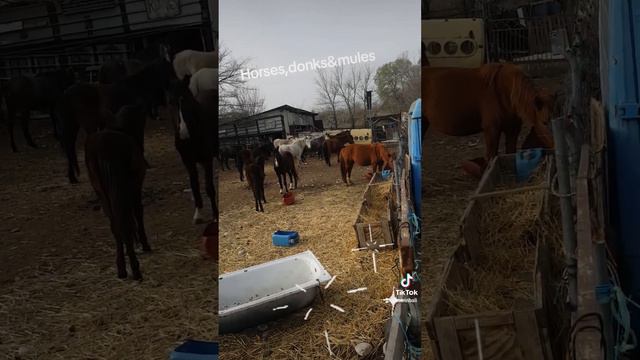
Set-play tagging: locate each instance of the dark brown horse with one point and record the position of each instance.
(195, 125)
(41, 92)
(90, 106)
(283, 165)
(374, 155)
(493, 99)
(255, 178)
(116, 170)
(333, 144)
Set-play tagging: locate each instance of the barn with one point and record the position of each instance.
(275, 123)
(46, 35)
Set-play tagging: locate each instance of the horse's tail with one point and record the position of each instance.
(115, 178)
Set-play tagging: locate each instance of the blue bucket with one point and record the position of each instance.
(285, 238)
(386, 174)
(196, 350)
(526, 162)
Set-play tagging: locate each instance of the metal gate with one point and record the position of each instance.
(527, 39)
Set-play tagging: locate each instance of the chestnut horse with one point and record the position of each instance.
(374, 155)
(333, 144)
(493, 99)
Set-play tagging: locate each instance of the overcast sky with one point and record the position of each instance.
(278, 32)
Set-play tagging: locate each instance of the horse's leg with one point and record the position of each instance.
(491, 142)
(280, 181)
(511, 137)
(349, 168)
(211, 191)
(192, 169)
(69, 136)
(138, 211)
(24, 121)
(120, 263)
(133, 259)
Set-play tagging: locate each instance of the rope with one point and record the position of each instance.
(554, 181)
(625, 337)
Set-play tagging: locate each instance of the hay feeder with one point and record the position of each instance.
(498, 282)
(376, 223)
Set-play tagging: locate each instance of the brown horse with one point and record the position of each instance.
(374, 155)
(333, 144)
(116, 169)
(493, 99)
(255, 178)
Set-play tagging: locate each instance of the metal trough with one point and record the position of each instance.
(249, 296)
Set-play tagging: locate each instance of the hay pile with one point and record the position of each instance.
(323, 215)
(502, 278)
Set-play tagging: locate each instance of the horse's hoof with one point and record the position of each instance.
(122, 275)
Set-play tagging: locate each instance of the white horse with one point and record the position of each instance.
(296, 148)
(278, 142)
(188, 62)
(204, 79)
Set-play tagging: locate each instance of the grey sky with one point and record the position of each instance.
(278, 32)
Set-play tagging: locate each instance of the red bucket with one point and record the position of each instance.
(288, 198)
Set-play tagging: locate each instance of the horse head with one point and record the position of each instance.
(383, 155)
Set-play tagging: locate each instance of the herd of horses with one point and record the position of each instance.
(251, 159)
(113, 113)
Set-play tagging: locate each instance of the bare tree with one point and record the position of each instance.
(235, 96)
(328, 93)
(347, 91)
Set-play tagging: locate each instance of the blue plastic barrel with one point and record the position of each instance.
(526, 162)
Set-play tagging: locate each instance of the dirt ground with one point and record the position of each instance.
(323, 214)
(59, 294)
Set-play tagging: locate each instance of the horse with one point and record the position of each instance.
(226, 152)
(278, 142)
(195, 139)
(493, 99)
(243, 157)
(316, 145)
(264, 149)
(113, 71)
(333, 144)
(203, 79)
(89, 106)
(188, 62)
(116, 169)
(40, 92)
(296, 148)
(284, 164)
(255, 179)
(374, 155)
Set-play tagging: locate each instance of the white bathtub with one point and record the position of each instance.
(248, 296)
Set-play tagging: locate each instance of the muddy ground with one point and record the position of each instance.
(59, 295)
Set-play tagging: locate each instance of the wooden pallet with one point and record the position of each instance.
(387, 225)
(521, 333)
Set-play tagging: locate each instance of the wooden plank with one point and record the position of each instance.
(588, 343)
(495, 318)
(394, 349)
(509, 191)
(528, 334)
(448, 341)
